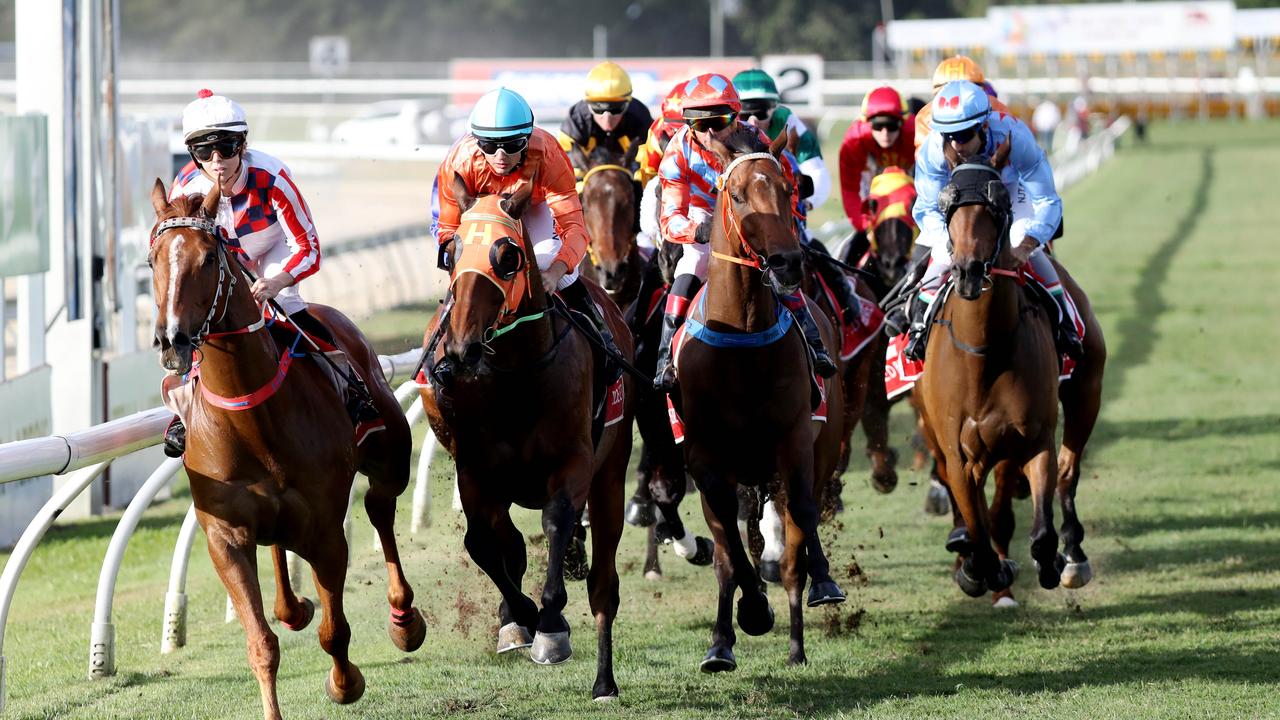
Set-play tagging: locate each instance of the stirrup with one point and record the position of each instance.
(665, 379)
(175, 438)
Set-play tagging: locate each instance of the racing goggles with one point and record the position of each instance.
(510, 145)
(886, 123)
(715, 123)
(227, 147)
(960, 137)
(611, 107)
(759, 112)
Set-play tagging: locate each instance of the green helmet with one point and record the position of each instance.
(755, 84)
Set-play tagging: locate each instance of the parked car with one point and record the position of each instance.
(392, 122)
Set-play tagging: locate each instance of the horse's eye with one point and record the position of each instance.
(734, 196)
(209, 257)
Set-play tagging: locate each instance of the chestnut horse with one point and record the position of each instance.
(511, 400)
(744, 395)
(989, 397)
(275, 466)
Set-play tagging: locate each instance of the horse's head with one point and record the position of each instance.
(978, 210)
(609, 211)
(893, 231)
(755, 207)
(493, 273)
(188, 268)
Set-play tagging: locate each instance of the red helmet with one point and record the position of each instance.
(673, 105)
(883, 100)
(710, 90)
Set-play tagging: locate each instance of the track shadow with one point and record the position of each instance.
(1175, 430)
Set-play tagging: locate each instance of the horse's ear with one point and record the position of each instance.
(950, 153)
(159, 198)
(210, 205)
(1000, 157)
(461, 195)
(778, 145)
(632, 150)
(517, 202)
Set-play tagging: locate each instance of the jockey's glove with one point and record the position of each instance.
(702, 235)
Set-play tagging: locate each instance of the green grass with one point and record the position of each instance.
(1175, 243)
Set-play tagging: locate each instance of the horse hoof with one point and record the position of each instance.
(1076, 574)
(652, 575)
(551, 648)
(640, 514)
(308, 612)
(606, 699)
(407, 631)
(1003, 600)
(513, 636)
(770, 571)
(755, 617)
(825, 593)
(718, 659)
(705, 553)
(1051, 576)
(884, 482)
(958, 541)
(576, 566)
(936, 501)
(1011, 567)
(347, 695)
(972, 587)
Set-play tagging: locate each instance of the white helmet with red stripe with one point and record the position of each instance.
(211, 114)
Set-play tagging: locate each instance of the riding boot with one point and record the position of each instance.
(822, 363)
(175, 438)
(358, 401)
(577, 298)
(917, 339)
(1068, 340)
(683, 290)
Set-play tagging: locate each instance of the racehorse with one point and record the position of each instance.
(271, 452)
(990, 394)
(609, 213)
(511, 400)
(744, 394)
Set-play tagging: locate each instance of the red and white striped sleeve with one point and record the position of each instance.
(299, 229)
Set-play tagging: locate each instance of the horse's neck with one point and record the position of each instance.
(529, 342)
(737, 295)
(233, 365)
(991, 319)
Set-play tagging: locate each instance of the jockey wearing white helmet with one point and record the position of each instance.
(262, 213)
(963, 119)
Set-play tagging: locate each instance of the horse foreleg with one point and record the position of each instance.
(979, 567)
(875, 425)
(405, 626)
(720, 505)
(669, 486)
(719, 657)
(496, 546)
(559, 523)
(771, 528)
(602, 582)
(1002, 524)
(1044, 540)
(1080, 405)
(235, 559)
(640, 510)
(802, 509)
(345, 683)
(293, 612)
(793, 580)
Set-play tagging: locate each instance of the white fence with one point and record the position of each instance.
(83, 456)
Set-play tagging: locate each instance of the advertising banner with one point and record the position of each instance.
(1112, 27)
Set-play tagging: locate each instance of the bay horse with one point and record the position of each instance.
(989, 396)
(609, 214)
(744, 395)
(271, 452)
(511, 400)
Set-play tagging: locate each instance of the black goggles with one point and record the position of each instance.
(510, 146)
(889, 124)
(226, 147)
(612, 107)
(715, 123)
(961, 137)
(759, 112)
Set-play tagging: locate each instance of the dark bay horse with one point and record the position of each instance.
(989, 398)
(746, 409)
(271, 452)
(609, 213)
(511, 400)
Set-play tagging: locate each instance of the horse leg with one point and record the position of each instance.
(1002, 525)
(551, 644)
(875, 425)
(720, 656)
(771, 528)
(345, 683)
(405, 625)
(980, 566)
(802, 509)
(496, 546)
(640, 507)
(293, 612)
(1044, 540)
(1080, 407)
(602, 582)
(793, 580)
(720, 503)
(235, 559)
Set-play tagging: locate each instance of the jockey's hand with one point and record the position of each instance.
(1022, 253)
(551, 276)
(264, 289)
(702, 235)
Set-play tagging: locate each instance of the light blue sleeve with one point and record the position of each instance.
(1036, 176)
(931, 174)
(435, 206)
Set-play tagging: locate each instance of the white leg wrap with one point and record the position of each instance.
(771, 529)
(684, 546)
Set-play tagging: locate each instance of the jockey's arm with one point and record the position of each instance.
(556, 177)
(1036, 176)
(853, 161)
(931, 175)
(676, 220)
(809, 153)
(299, 231)
(449, 214)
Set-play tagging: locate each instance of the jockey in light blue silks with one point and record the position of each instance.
(962, 117)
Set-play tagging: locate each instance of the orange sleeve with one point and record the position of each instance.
(558, 183)
(450, 215)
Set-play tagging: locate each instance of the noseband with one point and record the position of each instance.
(730, 221)
(224, 269)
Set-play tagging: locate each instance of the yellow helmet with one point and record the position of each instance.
(957, 67)
(608, 82)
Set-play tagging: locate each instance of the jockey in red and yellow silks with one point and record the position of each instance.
(881, 137)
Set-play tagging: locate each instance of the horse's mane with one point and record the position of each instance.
(184, 206)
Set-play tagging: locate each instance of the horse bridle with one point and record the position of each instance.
(224, 269)
(730, 221)
(993, 195)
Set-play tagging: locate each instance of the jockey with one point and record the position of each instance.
(263, 214)
(963, 116)
(881, 137)
(607, 117)
(689, 175)
(649, 157)
(502, 151)
(760, 108)
(956, 67)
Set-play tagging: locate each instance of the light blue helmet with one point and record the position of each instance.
(501, 113)
(959, 105)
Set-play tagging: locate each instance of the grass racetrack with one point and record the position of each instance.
(1175, 242)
